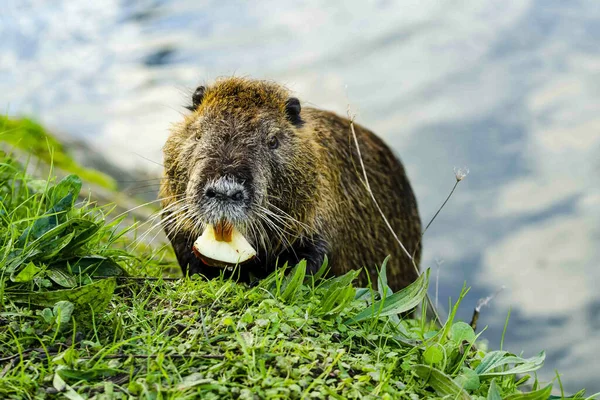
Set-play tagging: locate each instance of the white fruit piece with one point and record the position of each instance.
(223, 246)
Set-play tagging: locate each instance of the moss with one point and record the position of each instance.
(28, 135)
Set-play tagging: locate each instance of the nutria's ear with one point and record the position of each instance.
(292, 110)
(197, 98)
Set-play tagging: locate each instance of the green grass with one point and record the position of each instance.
(78, 320)
(31, 137)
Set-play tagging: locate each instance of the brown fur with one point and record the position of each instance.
(314, 177)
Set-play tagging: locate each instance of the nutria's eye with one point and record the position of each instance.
(273, 142)
(292, 110)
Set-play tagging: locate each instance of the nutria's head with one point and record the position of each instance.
(245, 157)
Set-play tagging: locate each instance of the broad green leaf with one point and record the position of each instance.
(63, 311)
(46, 315)
(339, 281)
(461, 331)
(62, 197)
(39, 228)
(542, 394)
(84, 231)
(61, 278)
(63, 205)
(489, 361)
(96, 266)
(401, 301)
(64, 192)
(45, 239)
(468, 379)
(53, 248)
(496, 359)
(440, 382)
(95, 296)
(433, 354)
(493, 392)
(363, 294)
(530, 365)
(26, 274)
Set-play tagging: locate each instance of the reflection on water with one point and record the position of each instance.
(511, 91)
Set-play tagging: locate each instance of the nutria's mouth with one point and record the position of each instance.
(223, 231)
(222, 245)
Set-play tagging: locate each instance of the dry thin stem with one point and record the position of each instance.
(442, 206)
(387, 223)
(480, 304)
(368, 186)
(438, 211)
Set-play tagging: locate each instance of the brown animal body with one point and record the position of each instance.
(290, 180)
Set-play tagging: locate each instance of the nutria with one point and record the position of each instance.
(289, 179)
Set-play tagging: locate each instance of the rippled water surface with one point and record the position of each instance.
(509, 89)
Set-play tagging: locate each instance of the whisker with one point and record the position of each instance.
(147, 159)
(164, 221)
(143, 205)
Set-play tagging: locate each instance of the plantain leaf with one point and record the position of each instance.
(45, 239)
(61, 278)
(496, 359)
(440, 382)
(94, 296)
(87, 376)
(542, 394)
(401, 301)
(85, 230)
(91, 265)
(62, 196)
(362, 294)
(101, 267)
(53, 248)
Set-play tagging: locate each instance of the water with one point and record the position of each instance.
(510, 90)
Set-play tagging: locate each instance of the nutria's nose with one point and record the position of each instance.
(225, 190)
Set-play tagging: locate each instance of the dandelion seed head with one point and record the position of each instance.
(461, 173)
